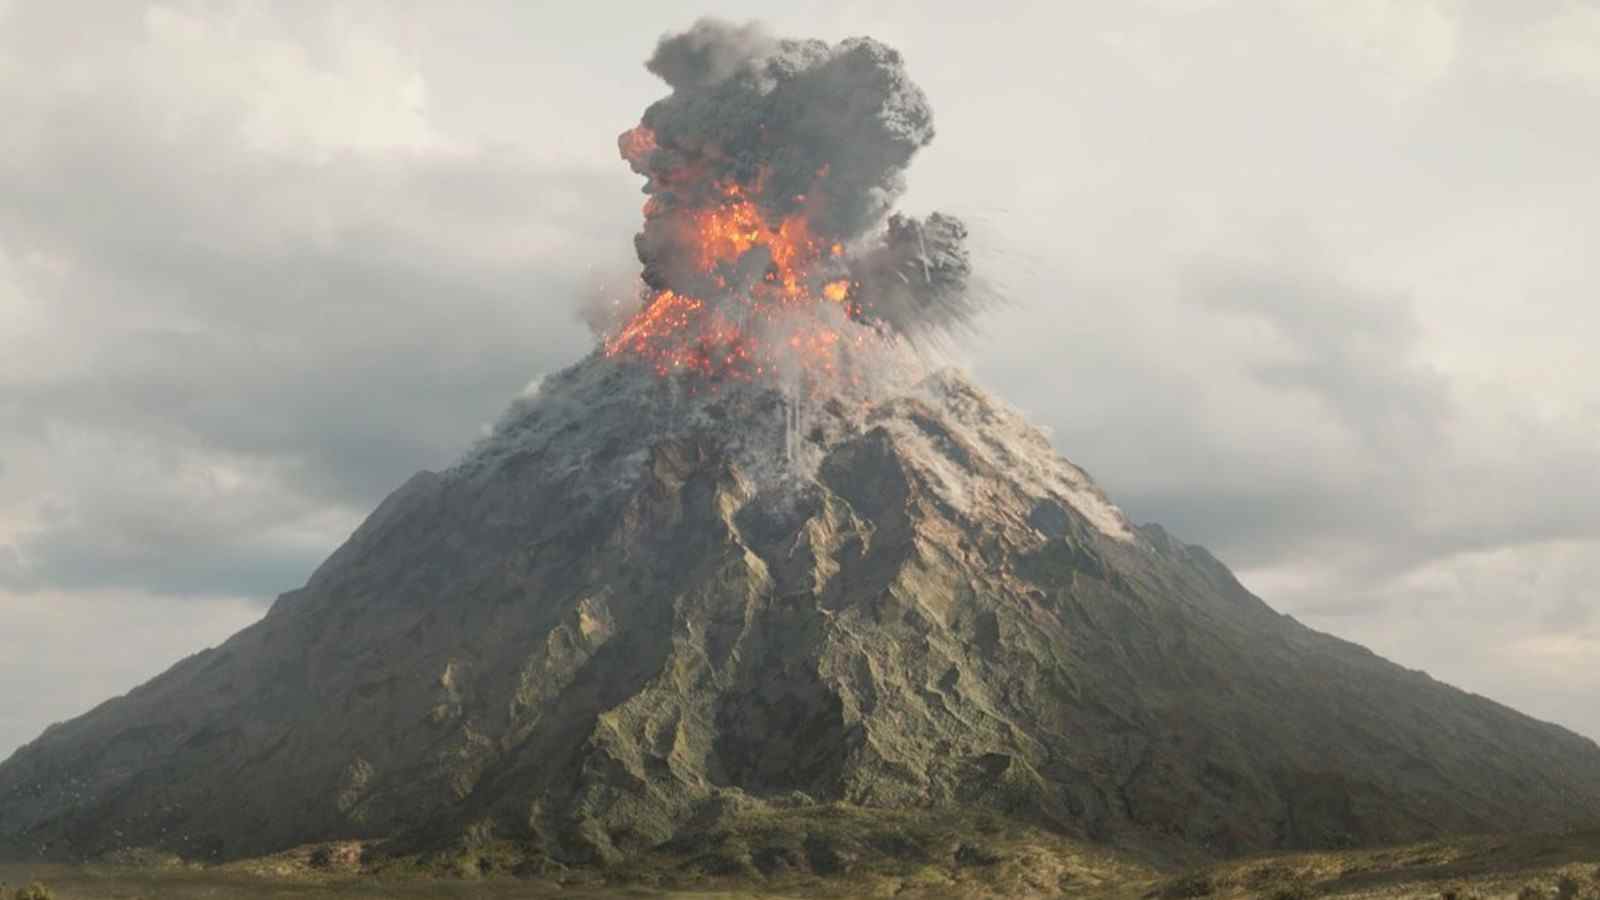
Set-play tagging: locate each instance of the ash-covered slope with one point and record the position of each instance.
(629, 609)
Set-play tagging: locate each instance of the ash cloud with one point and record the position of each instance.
(709, 52)
(802, 127)
(919, 276)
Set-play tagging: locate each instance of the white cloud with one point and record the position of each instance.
(1401, 47)
(1564, 47)
(359, 93)
(1519, 623)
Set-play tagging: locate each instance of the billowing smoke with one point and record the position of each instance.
(827, 130)
(918, 275)
(771, 170)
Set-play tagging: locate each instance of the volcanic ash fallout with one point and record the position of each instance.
(769, 245)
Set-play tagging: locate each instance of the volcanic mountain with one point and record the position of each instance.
(753, 557)
(637, 604)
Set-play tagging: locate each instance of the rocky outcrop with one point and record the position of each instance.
(630, 608)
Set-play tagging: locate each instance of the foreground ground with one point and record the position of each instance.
(1521, 867)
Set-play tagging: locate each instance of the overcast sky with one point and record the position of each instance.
(1313, 284)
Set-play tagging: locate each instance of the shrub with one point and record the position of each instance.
(1196, 884)
(35, 891)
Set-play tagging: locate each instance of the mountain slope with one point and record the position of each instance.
(635, 607)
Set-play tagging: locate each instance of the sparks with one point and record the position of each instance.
(732, 332)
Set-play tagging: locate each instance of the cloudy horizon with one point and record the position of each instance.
(1308, 283)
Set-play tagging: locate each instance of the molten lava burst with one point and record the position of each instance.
(726, 232)
(636, 144)
(747, 330)
(665, 315)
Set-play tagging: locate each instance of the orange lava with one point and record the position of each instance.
(636, 144)
(666, 314)
(726, 232)
(739, 334)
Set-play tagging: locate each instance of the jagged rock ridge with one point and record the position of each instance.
(627, 610)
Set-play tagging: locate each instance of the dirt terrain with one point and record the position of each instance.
(1521, 867)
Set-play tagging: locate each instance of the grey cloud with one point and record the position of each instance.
(1569, 613)
(1357, 349)
(341, 322)
(1394, 486)
(94, 557)
(61, 654)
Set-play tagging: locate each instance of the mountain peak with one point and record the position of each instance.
(960, 437)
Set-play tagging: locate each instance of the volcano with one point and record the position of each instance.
(623, 610)
(754, 555)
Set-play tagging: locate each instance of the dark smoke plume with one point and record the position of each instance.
(801, 127)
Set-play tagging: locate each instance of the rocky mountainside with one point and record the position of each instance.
(637, 606)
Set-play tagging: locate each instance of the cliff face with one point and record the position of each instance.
(632, 605)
